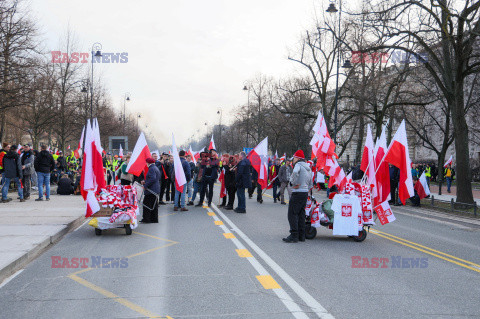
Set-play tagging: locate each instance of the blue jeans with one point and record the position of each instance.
(196, 189)
(190, 189)
(182, 197)
(241, 198)
(449, 183)
(43, 178)
(6, 185)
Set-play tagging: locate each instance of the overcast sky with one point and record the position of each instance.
(186, 58)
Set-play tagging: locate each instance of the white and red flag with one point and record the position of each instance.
(19, 149)
(382, 174)
(259, 159)
(275, 156)
(398, 156)
(180, 179)
(193, 155)
(384, 213)
(138, 161)
(322, 145)
(450, 161)
(77, 152)
(211, 146)
(368, 161)
(88, 184)
(68, 148)
(421, 186)
(97, 157)
(120, 152)
(223, 189)
(283, 158)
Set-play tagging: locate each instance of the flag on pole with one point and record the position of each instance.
(97, 159)
(384, 213)
(19, 149)
(368, 161)
(382, 175)
(223, 189)
(77, 152)
(120, 152)
(259, 159)
(450, 161)
(88, 184)
(138, 161)
(398, 156)
(68, 148)
(211, 146)
(180, 179)
(193, 155)
(421, 186)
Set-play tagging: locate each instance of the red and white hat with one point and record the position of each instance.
(299, 154)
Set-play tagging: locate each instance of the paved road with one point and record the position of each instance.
(208, 263)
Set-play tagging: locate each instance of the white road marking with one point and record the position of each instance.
(295, 309)
(6, 281)
(316, 307)
(81, 225)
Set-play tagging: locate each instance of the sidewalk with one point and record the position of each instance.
(28, 228)
(448, 196)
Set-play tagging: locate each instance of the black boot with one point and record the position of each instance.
(290, 239)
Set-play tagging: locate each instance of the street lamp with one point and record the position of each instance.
(220, 112)
(125, 99)
(332, 9)
(247, 88)
(96, 47)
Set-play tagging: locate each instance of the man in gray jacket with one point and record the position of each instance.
(12, 171)
(27, 158)
(301, 182)
(284, 174)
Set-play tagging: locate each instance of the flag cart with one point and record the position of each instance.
(118, 209)
(316, 218)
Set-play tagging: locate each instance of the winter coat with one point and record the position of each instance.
(186, 169)
(44, 162)
(302, 176)
(284, 173)
(152, 180)
(65, 186)
(243, 178)
(210, 171)
(61, 163)
(229, 177)
(27, 159)
(12, 165)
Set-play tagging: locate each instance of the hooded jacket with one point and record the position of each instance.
(44, 162)
(301, 175)
(12, 165)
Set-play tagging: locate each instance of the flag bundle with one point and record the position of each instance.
(368, 162)
(259, 159)
(223, 189)
(382, 174)
(323, 148)
(93, 178)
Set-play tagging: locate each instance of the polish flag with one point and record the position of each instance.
(19, 149)
(48, 149)
(77, 152)
(138, 161)
(180, 179)
(368, 161)
(259, 159)
(68, 147)
(283, 158)
(450, 161)
(382, 175)
(384, 213)
(92, 204)
(211, 146)
(421, 186)
(193, 155)
(398, 156)
(223, 189)
(97, 159)
(57, 152)
(87, 181)
(276, 155)
(120, 152)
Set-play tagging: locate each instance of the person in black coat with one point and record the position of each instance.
(12, 170)
(44, 164)
(210, 175)
(230, 184)
(65, 186)
(243, 180)
(394, 180)
(152, 189)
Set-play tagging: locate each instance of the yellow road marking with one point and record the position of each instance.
(244, 253)
(268, 282)
(205, 206)
(211, 214)
(218, 222)
(387, 236)
(114, 297)
(229, 235)
(425, 247)
(164, 239)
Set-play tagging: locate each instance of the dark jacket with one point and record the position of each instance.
(152, 180)
(243, 178)
(61, 163)
(186, 169)
(210, 171)
(12, 165)
(44, 162)
(65, 186)
(229, 177)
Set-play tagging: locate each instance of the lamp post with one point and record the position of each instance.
(220, 112)
(332, 9)
(125, 99)
(247, 88)
(96, 48)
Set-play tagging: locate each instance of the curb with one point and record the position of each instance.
(33, 253)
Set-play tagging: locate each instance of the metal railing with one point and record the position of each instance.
(454, 206)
